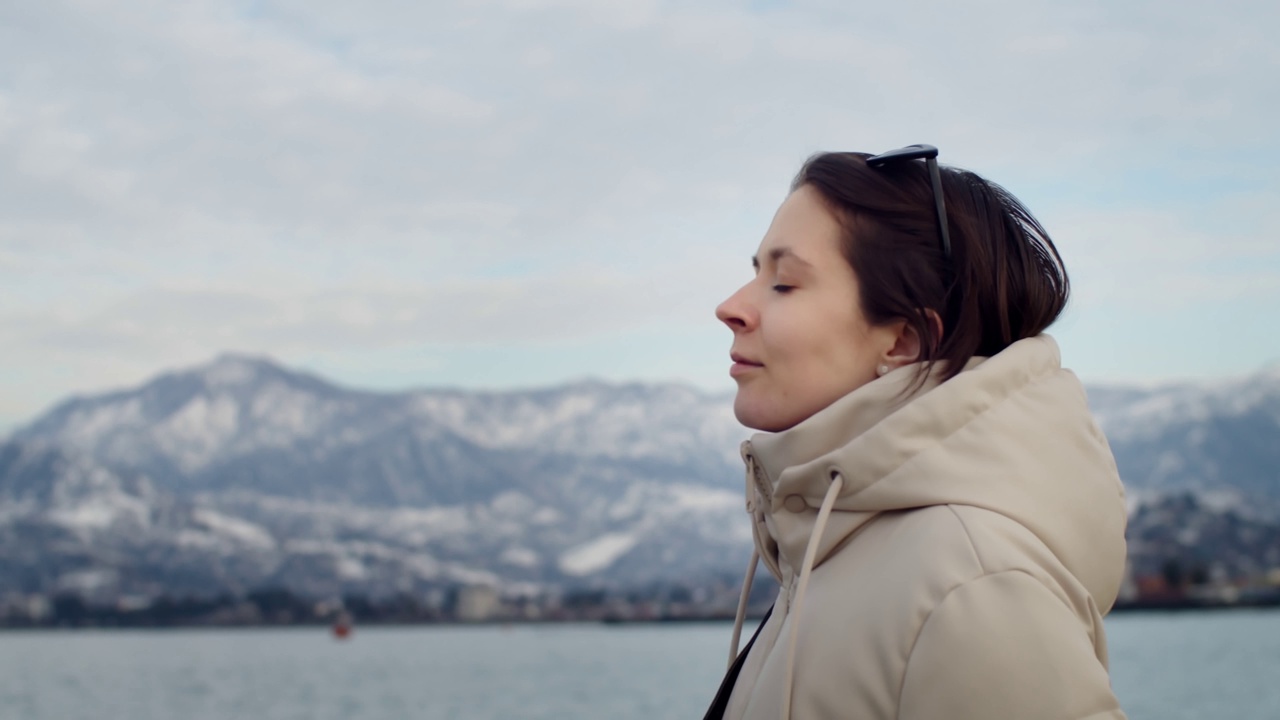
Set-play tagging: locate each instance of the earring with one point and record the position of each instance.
(882, 370)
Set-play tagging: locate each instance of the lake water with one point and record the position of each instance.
(1164, 667)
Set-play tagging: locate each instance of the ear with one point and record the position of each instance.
(908, 346)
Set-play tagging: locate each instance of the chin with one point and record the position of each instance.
(764, 419)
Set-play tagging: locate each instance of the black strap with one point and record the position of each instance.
(721, 703)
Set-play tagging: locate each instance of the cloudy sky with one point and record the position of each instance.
(499, 193)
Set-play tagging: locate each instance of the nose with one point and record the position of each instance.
(736, 312)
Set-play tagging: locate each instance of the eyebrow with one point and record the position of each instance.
(779, 253)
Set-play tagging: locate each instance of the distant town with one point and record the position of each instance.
(461, 604)
(1174, 588)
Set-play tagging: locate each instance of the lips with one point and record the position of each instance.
(742, 365)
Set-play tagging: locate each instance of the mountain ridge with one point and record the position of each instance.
(241, 472)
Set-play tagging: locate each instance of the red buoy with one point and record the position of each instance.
(342, 626)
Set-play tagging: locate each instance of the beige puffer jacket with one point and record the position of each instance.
(964, 542)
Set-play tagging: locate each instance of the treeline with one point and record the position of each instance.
(270, 606)
(281, 607)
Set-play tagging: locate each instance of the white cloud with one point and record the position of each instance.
(302, 177)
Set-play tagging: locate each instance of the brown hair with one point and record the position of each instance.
(1003, 282)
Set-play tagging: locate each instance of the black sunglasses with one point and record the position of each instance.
(929, 154)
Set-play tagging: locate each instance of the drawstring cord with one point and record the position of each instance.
(810, 551)
(741, 615)
(806, 569)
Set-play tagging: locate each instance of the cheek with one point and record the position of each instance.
(834, 356)
(808, 356)
(825, 343)
(794, 337)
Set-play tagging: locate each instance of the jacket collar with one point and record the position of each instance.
(785, 486)
(832, 428)
(877, 430)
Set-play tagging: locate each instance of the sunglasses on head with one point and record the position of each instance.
(929, 154)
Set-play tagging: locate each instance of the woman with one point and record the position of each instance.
(942, 513)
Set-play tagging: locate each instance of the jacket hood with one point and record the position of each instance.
(1011, 434)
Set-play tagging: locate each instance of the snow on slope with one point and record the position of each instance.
(597, 555)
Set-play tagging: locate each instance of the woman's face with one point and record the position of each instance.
(800, 339)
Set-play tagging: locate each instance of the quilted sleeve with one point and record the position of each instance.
(1004, 646)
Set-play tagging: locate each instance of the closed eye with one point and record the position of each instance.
(783, 289)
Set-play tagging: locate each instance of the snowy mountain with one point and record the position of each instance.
(242, 474)
(1221, 437)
